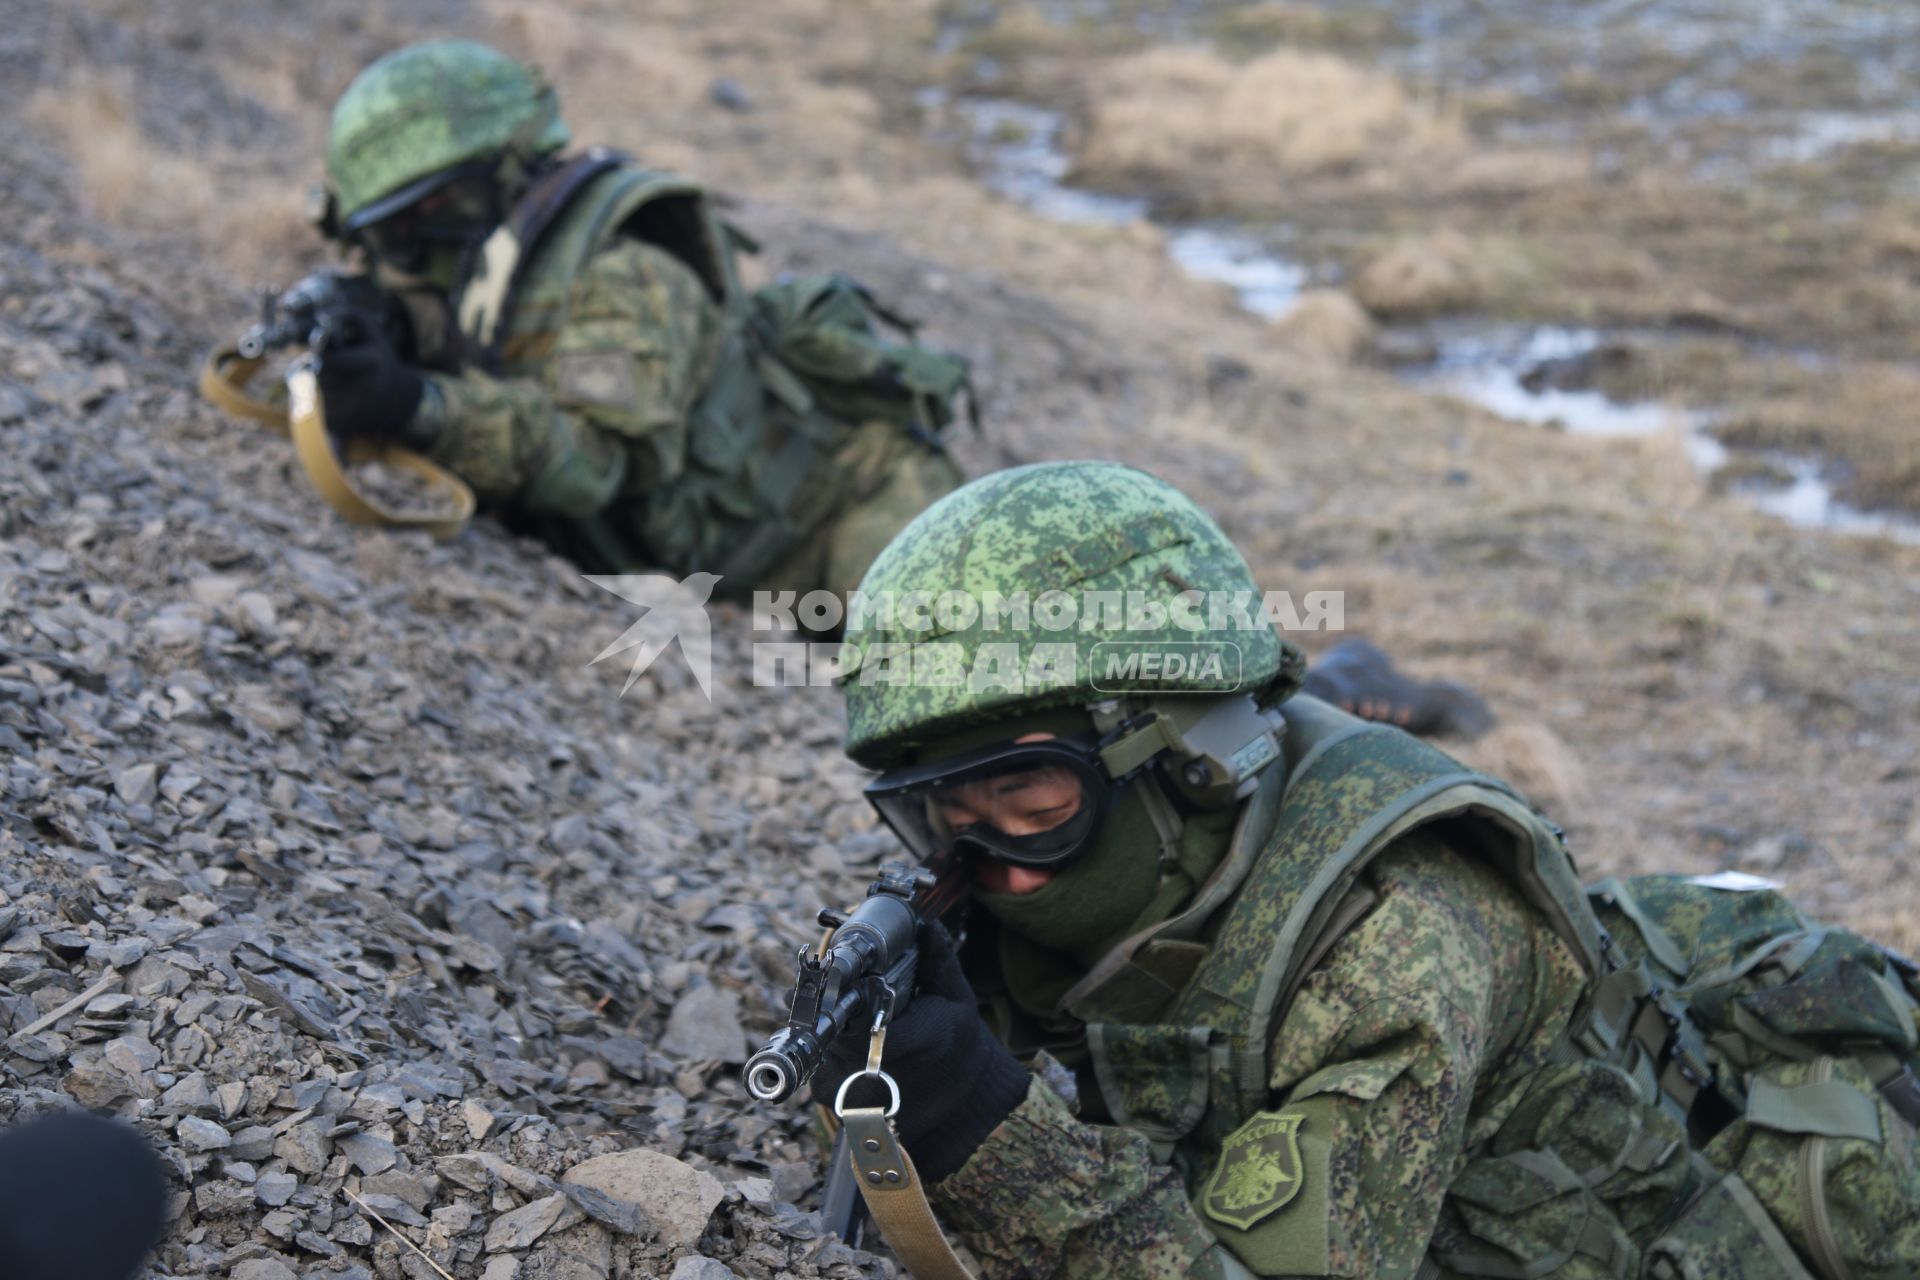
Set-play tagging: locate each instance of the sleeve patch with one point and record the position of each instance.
(1269, 1198)
(602, 378)
(1259, 1172)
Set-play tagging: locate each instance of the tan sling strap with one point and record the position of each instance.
(887, 1179)
(224, 382)
(896, 1198)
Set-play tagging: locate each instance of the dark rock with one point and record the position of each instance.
(275, 1189)
(727, 92)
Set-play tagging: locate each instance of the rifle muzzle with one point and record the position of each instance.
(773, 1075)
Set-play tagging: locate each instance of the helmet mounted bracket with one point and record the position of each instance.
(1212, 750)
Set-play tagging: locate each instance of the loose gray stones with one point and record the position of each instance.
(520, 1228)
(674, 1197)
(196, 1134)
(705, 1026)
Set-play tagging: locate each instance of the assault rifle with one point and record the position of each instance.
(328, 308)
(862, 970)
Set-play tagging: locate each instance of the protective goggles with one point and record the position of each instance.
(1036, 804)
(460, 211)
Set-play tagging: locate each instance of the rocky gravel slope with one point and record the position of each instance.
(328, 860)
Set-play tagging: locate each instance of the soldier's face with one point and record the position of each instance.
(428, 237)
(1018, 804)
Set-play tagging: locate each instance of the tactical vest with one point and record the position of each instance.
(763, 438)
(1179, 1029)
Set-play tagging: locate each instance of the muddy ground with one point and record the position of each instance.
(1732, 186)
(387, 894)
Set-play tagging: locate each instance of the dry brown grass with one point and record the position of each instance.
(1169, 116)
(1327, 323)
(1276, 22)
(1869, 418)
(615, 77)
(1021, 30)
(1538, 761)
(124, 176)
(249, 223)
(1865, 416)
(1420, 275)
(638, 77)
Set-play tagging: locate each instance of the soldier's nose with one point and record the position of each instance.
(1004, 877)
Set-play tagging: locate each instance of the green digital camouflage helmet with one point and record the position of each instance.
(423, 115)
(1155, 600)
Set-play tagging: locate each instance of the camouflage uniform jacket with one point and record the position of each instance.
(1408, 1049)
(1414, 1046)
(628, 418)
(1407, 1045)
(603, 411)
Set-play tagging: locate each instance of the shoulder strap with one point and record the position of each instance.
(569, 213)
(896, 1198)
(486, 296)
(1357, 788)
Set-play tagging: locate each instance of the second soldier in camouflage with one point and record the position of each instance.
(583, 354)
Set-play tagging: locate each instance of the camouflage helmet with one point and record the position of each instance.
(421, 115)
(934, 641)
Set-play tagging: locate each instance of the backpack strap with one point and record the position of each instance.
(1297, 890)
(567, 214)
(487, 295)
(1352, 790)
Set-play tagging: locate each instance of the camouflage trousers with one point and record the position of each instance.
(886, 480)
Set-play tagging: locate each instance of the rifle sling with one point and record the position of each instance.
(225, 382)
(896, 1198)
(314, 445)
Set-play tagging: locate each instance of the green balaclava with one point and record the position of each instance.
(1051, 936)
(1121, 884)
(1099, 895)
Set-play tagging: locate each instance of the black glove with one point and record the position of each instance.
(957, 1083)
(367, 389)
(81, 1198)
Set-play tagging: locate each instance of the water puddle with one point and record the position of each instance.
(1515, 372)
(1817, 134)
(1267, 284)
(1682, 70)
(1511, 372)
(1802, 494)
(1018, 151)
(1504, 370)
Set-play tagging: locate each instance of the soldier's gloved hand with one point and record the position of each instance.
(957, 1083)
(367, 388)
